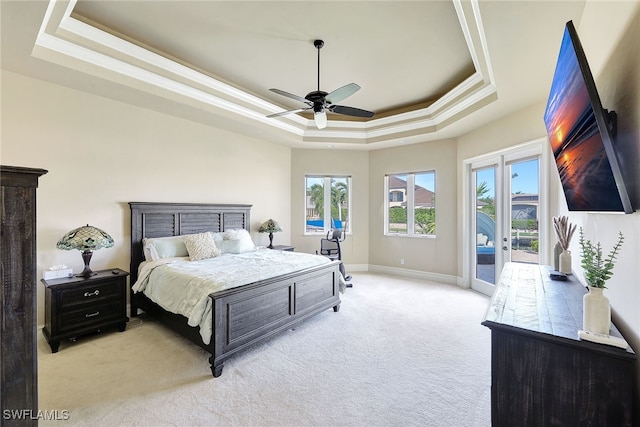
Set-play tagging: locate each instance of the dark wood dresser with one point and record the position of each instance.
(542, 374)
(18, 350)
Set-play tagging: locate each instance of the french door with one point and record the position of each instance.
(505, 213)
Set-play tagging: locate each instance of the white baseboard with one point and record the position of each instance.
(425, 275)
(356, 267)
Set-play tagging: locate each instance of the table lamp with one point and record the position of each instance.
(270, 226)
(86, 239)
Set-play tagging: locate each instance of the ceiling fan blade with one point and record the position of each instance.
(342, 93)
(282, 113)
(350, 111)
(290, 95)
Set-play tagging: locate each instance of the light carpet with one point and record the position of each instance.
(400, 352)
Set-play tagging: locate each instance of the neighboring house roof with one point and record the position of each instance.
(422, 196)
(396, 183)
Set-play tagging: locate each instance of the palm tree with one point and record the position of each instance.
(316, 197)
(481, 194)
(482, 189)
(339, 195)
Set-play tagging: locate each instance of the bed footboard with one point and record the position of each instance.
(246, 316)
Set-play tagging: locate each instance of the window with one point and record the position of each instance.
(396, 196)
(328, 203)
(411, 208)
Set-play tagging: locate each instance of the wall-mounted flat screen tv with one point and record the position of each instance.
(581, 135)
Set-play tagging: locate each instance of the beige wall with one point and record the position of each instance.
(101, 154)
(434, 255)
(355, 249)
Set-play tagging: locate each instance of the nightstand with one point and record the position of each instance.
(76, 306)
(283, 248)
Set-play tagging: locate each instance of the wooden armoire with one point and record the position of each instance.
(18, 350)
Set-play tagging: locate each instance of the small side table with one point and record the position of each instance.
(77, 306)
(283, 248)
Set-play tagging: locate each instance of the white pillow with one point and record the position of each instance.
(201, 246)
(217, 237)
(164, 247)
(236, 242)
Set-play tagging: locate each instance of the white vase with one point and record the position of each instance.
(565, 262)
(596, 312)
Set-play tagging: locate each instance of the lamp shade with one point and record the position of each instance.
(270, 226)
(85, 238)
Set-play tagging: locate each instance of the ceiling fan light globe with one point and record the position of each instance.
(320, 118)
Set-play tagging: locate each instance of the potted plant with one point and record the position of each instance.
(597, 270)
(564, 232)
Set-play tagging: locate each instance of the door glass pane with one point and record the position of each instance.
(315, 204)
(524, 212)
(397, 185)
(485, 224)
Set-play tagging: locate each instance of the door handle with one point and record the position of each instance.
(504, 248)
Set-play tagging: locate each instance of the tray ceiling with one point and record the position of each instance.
(428, 69)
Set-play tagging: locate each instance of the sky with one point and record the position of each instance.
(524, 178)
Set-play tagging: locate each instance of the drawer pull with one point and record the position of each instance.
(92, 294)
(91, 314)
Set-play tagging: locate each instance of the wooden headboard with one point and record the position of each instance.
(175, 219)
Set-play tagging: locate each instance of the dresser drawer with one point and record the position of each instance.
(90, 294)
(90, 315)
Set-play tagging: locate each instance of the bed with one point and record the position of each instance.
(241, 316)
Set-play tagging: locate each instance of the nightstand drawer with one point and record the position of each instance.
(90, 294)
(90, 315)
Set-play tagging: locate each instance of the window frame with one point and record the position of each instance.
(327, 206)
(410, 200)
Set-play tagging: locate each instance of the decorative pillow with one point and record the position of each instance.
(164, 247)
(236, 242)
(201, 246)
(150, 253)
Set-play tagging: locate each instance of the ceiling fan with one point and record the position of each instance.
(321, 102)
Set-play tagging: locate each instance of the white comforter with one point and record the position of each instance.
(182, 286)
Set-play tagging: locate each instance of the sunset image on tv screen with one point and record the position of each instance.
(576, 140)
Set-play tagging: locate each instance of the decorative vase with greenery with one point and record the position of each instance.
(564, 232)
(597, 270)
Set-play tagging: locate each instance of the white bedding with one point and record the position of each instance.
(182, 286)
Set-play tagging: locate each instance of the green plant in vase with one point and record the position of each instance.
(597, 268)
(596, 314)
